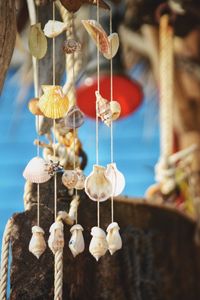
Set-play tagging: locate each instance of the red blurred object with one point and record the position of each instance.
(126, 91)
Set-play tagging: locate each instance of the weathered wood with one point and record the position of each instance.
(7, 36)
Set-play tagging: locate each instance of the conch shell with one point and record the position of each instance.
(54, 28)
(70, 46)
(103, 109)
(53, 103)
(98, 244)
(117, 179)
(56, 238)
(74, 118)
(74, 208)
(76, 243)
(97, 186)
(70, 179)
(113, 238)
(36, 171)
(37, 243)
(34, 108)
(81, 180)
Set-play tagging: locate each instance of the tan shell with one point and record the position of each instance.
(98, 244)
(74, 207)
(56, 238)
(113, 40)
(34, 107)
(36, 171)
(113, 238)
(76, 243)
(37, 243)
(54, 28)
(103, 109)
(115, 108)
(70, 46)
(97, 186)
(81, 180)
(69, 179)
(37, 41)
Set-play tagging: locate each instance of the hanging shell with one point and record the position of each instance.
(53, 103)
(74, 207)
(54, 28)
(98, 244)
(103, 109)
(36, 171)
(76, 243)
(69, 179)
(81, 180)
(117, 179)
(113, 238)
(115, 108)
(37, 41)
(56, 238)
(34, 108)
(97, 186)
(74, 117)
(113, 40)
(70, 46)
(37, 243)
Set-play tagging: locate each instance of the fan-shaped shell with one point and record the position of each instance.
(74, 117)
(115, 108)
(36, 171)
(98, 244)
(70, 46)
(76, 243)
(81, 180)
(69, 179)
(34, 107)
(54, 28)
(113, 40)
(113, 238)
(53, 103)
(103, 109)
(117, 179)
(37, 243)
(97, 186)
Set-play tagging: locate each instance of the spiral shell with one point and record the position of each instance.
(70, 46)
(69, 179)
(103, 109)
(113, 238)
(98, 244)
(56, 238)
(37, 243)
(36, 171)
(76, 243)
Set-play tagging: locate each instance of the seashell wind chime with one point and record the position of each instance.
(103, 182)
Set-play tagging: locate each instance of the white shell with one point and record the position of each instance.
(115, 108)
(117, 179)
(54, 28)
(36, 171)
(98, 244)
(70, 179)
(113, 40)
(113, 238)
(76, 243)
(97, 186)
(103, 109)
(74, 207)
(56, 238)
(37, 243)
(81, 180)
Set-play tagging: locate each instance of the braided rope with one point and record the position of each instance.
(58, 275)
(5, 258)
(28, 194)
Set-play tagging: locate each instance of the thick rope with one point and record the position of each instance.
(58, 275)
(5, 259)
(28, 195)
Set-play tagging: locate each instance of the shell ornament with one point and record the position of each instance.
(76, 243)
(113, 238)
(36, 171)
(70, 46)
(54, 28)
(70, 179)
(53, 103)
(97, 186)
(56, 238)
(37, 244)
(34, 107)
(103, 109)
(117, 179)
(74, 118)
(98, 244)
(81, 179)
(115, 108)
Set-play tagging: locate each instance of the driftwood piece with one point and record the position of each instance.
(159, 259)
(7, 36)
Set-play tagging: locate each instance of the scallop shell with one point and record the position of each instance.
(97, 186)
(54, 28)
(81, 180)
(113, 40)
(37, 243)
(74, 207)
(74, 118)
(36, 171)
(34, 108)
(98, 244)
(103, 109)
(70, 46)
(76, 243)
(56, 238)
(53, 103)
(115, 108)
(117, 179)
(113, 238)
(69, 179)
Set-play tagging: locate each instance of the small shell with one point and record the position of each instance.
(113, 238)
(103, 109)
(81, 180)
(76, 243)
(56, 238)
(37, 243)
(54, 28)
(36, 171)
(115, 108)
(117, 179)
(97, 186)
(113, 40)
(37, 41)
(70, 46)
(34, 108)
(69, 179)
(53, 103)
(74, 118)
(74, 208)
(98, 244)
